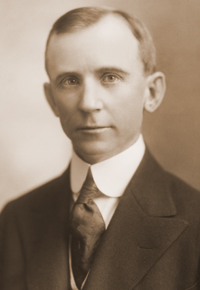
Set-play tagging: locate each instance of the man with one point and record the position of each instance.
(115, 220)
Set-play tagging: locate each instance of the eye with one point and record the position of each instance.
(109, 78)
(70, 81)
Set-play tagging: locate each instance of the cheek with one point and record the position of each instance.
(131, 117)
(66, 105)
(129, 103)
(66, 114)
(129, 111)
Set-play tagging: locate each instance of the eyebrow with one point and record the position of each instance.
(112, 69)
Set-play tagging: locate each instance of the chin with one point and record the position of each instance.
(93, 152)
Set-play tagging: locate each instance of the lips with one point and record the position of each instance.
(93, 129)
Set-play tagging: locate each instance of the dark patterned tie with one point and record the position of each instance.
(87, 227)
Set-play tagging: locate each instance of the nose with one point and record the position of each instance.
(90, 99)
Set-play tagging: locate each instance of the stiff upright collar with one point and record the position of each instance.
(111, 175)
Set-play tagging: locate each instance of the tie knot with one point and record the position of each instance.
(89, 190)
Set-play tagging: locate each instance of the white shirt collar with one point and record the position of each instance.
(111, 175)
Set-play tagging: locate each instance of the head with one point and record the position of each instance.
(81, 18)
(101, 66)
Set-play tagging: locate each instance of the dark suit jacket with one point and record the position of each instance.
(152, 242)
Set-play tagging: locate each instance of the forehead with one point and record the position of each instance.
(109, 42)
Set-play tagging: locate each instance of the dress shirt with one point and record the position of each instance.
(111, 176)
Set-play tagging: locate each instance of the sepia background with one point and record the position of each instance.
(33, 148)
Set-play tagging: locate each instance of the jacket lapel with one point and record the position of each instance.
(142, 228)
(48, 261)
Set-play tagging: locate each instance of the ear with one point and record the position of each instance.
(50, 98)
(155, 91)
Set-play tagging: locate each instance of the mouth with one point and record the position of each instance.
(94, 129)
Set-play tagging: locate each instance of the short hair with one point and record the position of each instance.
(80, 18)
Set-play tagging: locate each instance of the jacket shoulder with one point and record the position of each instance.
(40, 197)
(180, 189)
(186, 197)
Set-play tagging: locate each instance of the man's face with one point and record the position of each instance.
(97, 87)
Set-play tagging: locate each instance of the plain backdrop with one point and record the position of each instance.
(33, 148)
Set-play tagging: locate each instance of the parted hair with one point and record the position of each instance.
(80, 18)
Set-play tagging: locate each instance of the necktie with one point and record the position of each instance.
(87, 227)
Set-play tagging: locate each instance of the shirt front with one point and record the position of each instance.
(111, 176)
